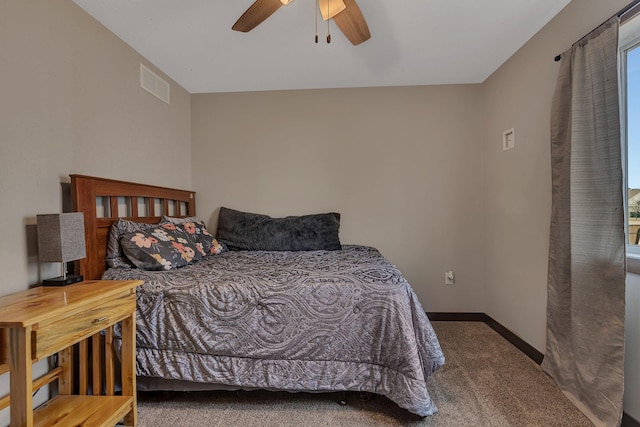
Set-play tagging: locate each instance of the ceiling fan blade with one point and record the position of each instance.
(352, 23)
(257, 12)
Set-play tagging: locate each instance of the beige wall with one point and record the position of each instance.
(402, 165)
(632, 347)
(517, 191)
(70, 102)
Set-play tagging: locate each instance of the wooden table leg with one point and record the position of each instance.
(21, 377)
(129, 366)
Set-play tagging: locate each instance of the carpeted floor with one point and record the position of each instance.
(485, 382)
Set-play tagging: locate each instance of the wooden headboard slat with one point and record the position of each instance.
(84, 193)
(113, 207)
(134, 206)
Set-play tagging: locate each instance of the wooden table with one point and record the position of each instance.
(47, 320)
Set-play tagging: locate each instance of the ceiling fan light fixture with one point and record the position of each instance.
(346, 15)
(329, 8)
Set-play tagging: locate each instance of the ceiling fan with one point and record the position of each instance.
(345, 13)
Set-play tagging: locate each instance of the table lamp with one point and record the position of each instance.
(61, 239)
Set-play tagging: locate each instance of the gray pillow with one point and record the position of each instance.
(181, 220)
(249, 231)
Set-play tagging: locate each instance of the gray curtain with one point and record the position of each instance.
(586, 283)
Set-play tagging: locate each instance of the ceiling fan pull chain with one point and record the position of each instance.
(317, 7)
(328, 19)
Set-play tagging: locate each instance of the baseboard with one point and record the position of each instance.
(627, 421)
(521, 344)
(518, 342)
(457, 317)
(515, 340)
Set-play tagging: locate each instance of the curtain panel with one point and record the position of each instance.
(586, 279)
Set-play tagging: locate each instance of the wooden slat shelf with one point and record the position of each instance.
(90, 411)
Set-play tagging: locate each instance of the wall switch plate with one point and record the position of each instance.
(508, 139)
(449, 277)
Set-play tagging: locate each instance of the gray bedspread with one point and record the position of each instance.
(297, 321)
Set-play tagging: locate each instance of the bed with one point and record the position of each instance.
(312, 320)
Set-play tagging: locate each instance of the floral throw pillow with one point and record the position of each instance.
(199, 234)
(204, 241)
(164, 247)
(201, 238)
(115, 257)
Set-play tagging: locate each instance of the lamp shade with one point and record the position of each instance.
(330, 8)
(61, 237)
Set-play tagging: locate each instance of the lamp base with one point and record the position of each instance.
(62, 281)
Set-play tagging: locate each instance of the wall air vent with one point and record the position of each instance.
(154, 84)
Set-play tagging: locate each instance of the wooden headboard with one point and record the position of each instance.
(103, 201)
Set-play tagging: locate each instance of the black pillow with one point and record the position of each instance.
(249, 231)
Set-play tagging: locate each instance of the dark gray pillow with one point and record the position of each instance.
(249, 231)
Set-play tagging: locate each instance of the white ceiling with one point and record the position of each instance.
(413, 42)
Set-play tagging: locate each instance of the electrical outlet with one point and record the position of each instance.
(449, 277)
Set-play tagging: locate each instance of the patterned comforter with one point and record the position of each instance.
(297, 321)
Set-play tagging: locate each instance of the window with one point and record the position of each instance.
(630, 112)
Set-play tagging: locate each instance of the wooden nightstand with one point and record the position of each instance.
(47, 320)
